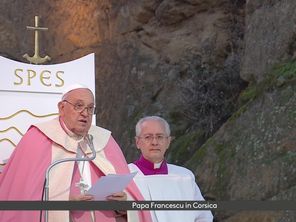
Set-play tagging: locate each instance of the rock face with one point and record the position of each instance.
(190, 62)
(252, 156)
(269, 37)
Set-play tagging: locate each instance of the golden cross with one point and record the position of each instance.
(36, 59)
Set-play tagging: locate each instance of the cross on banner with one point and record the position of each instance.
(36, 59)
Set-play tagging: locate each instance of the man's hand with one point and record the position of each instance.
(81, 197)
(120, 196)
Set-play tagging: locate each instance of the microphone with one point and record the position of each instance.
(89, 140)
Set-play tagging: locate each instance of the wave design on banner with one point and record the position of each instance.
(27, 111)
(11, 128)
(12, 132)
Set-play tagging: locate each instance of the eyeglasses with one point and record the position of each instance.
(80, 107)
(150, 138)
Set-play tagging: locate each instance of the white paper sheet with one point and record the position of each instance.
(110, 184)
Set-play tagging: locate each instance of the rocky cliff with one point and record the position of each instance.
(222, 72)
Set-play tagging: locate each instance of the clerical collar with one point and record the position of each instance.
(149, 168)
(69, 132)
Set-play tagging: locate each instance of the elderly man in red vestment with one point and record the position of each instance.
(65, 137)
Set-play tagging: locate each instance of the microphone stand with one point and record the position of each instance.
(89, 139)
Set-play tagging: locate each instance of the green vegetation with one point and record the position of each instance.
(183, 147)
(227, 153)
(289, 158)
(286, 70)
(177, 122)
(282, 156)
(197, 157)
(281, 75)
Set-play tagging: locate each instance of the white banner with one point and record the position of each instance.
(30, 93)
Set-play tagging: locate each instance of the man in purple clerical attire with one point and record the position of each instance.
(158, 180)
(66, 137)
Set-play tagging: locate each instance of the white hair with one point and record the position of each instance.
(153, 118)
(73, 87)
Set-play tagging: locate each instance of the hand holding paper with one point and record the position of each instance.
(110, 184)
(121, 196)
